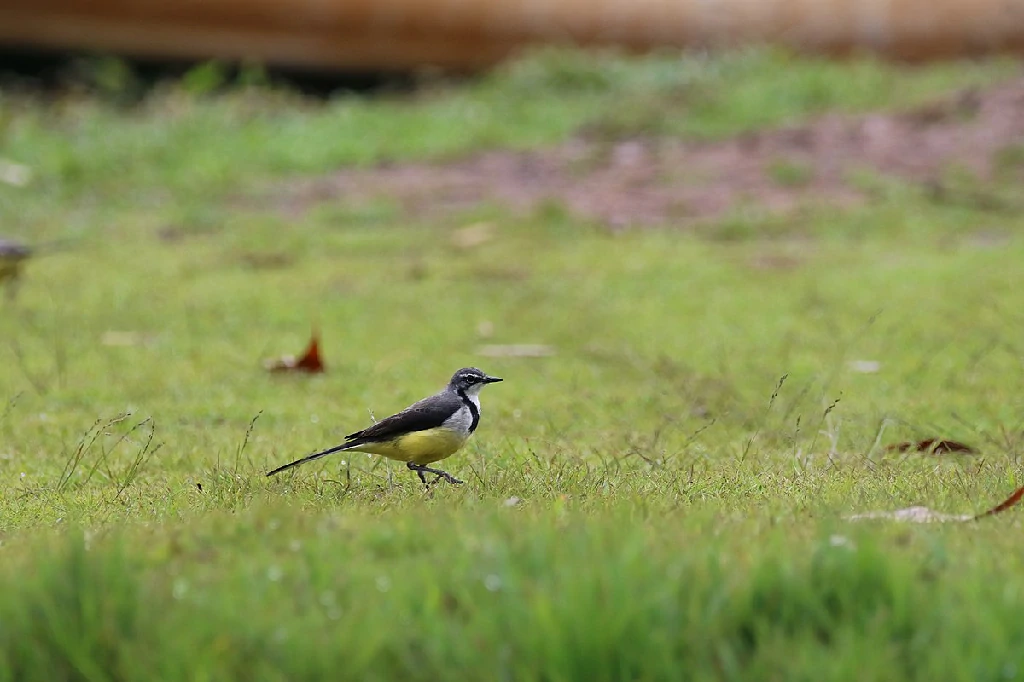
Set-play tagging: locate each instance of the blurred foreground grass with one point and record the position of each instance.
(637, 506)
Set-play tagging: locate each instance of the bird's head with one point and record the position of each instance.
(470, 380)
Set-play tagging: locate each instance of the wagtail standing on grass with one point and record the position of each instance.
(423, 433)
(12, 257)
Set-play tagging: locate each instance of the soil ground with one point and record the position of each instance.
(664, 181)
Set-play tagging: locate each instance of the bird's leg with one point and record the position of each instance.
(442, 474)
(420, 469)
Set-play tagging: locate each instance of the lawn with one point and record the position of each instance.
(664, 496)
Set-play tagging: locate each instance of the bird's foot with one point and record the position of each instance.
(446, 476)
(438, 474)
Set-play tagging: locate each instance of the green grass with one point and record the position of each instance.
(661, 499)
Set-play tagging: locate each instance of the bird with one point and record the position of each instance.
(423, 433)
(12, 257)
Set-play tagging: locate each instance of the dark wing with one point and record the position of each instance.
(425, 414)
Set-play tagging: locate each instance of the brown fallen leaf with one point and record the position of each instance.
(932, 446)
(926, 515)
(309, 362)
(1010, 501)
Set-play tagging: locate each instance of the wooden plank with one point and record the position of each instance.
(355, 51)
(469, 34)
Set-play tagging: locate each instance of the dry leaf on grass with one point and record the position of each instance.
(1005, 504)
(309, 362)
(926, 515)
(933, 446)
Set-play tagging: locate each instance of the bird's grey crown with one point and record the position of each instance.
(470, 380)
(467, 375)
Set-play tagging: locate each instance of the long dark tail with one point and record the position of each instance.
(310, 458)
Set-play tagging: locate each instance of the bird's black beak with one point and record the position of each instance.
(492, 380)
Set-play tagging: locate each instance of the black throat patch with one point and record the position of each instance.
(475, 413)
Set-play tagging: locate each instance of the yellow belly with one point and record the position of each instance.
(419, 447)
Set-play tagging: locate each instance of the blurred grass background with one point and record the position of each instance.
(661, 497)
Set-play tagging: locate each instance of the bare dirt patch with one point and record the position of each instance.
(658, 181)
